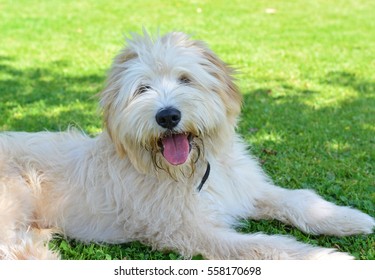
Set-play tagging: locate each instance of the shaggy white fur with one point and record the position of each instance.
(170, 108)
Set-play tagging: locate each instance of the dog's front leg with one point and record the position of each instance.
(301, 208)
(253, 195)
(310, 213)
(224, 243)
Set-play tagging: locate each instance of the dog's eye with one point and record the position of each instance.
(143, 89)
(184, 79)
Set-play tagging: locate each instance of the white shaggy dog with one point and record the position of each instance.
(168, 169)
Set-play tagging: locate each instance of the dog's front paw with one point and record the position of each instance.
(366, 224)
(328, 254)
(350, 221)
(329, 219)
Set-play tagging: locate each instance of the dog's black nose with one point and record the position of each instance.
(168, 117)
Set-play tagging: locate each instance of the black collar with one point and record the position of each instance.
(205, 177)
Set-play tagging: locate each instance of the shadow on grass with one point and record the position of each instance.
(346, 79)
(327, 148)
(292, 115)
(337, 139)
(35, 99)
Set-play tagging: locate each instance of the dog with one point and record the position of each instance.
(168, 170)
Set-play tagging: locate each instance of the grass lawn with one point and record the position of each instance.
(306, 73)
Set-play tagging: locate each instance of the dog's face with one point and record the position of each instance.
(169, 102)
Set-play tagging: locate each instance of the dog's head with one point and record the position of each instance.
(169, 102)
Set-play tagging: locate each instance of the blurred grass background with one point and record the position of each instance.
(306, 70)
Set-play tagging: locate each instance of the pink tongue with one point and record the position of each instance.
(176, 148)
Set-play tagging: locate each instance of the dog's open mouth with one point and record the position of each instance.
(175, 147)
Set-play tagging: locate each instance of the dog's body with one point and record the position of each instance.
(168, 170)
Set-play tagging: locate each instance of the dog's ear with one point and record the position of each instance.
(110, 101)
(114, 136)
(228, 90)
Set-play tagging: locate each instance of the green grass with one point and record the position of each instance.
(306, 72)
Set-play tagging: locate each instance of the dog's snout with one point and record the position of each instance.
(168, 117)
